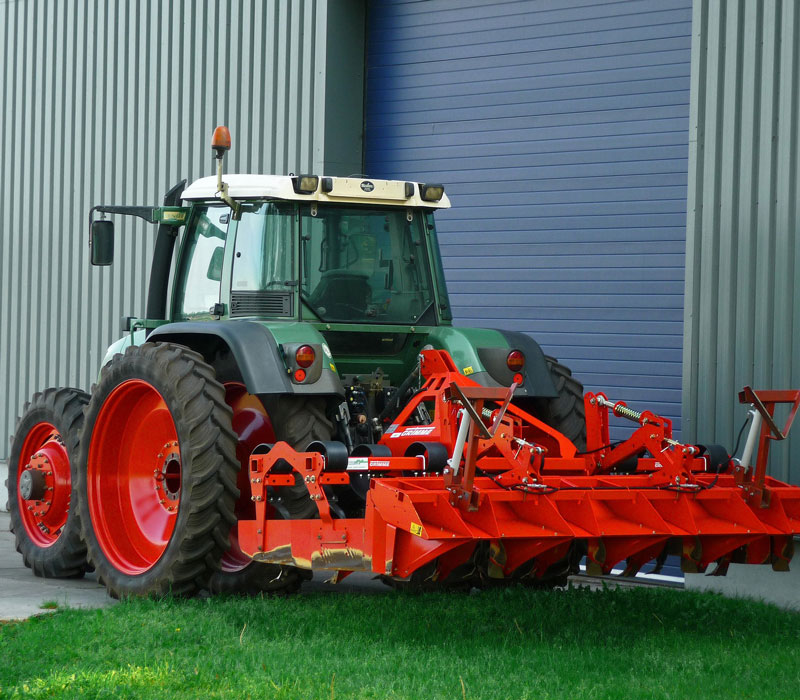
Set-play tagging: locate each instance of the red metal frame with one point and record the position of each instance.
(755, 483)
(523, 489)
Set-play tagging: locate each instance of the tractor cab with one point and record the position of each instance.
(323, 250)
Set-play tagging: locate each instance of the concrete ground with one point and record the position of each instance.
(754, 582)
(22, 594)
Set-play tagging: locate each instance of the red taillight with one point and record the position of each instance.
(300, 375)
(305, 356)
(515, 361)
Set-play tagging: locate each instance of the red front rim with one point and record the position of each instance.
(134, 477)
(43, 450)
(252, 426)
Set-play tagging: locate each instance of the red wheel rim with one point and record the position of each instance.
(252, 426)
(43, 450)
(134, 477)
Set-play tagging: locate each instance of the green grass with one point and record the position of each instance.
(513, 643)
(49, 605)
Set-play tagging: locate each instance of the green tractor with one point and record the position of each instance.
(298, 309)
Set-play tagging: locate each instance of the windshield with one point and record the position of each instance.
(364, 265)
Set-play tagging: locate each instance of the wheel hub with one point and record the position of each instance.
(43, 485)
(167, 476)
(32, 485)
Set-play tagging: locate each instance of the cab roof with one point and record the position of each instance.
(341, 190)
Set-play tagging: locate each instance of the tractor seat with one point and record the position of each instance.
(341, 294)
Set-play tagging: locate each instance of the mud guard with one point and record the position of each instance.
(254, 350)
(538, 381)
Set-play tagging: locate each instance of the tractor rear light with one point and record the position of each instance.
(305, 184)
(431, 193)
(515, 361)
(519, 379)
(299, 375)
(304, 357)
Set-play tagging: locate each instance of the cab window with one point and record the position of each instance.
(202, 257)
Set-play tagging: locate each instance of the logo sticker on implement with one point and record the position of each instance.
(367, 186)
(414, 431)
(416, 529)
(357, 463)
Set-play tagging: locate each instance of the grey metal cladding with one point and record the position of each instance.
(110, 101)
(742, 313)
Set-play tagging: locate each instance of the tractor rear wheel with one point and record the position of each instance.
(299, 421)
(41, 474)
(239, 574)
(157, 487)
(565, 413)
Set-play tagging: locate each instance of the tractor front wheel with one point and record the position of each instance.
(41, 474)
(158, 480)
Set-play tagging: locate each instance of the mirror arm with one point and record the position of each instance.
(146, 213)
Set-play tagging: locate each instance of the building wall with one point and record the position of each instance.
(560, 130)
(113, 102)
(742, 323)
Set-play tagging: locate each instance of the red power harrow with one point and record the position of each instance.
(465, 478)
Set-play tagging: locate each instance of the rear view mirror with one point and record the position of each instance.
(102, 242)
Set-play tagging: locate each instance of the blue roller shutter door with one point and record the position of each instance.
(561, 132)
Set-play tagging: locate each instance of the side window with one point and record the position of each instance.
(263, 251)
(201, 263)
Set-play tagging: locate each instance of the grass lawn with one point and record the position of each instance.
(513, 643)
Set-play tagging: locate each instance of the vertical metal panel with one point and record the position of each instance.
(109, 101)
(561, 132)
(742, 313)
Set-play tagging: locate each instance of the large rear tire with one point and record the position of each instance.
(157, 484)
(565, 413)
(41, 474)
(239, 574)
(299, 420)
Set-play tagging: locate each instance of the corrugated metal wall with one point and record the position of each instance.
(560, 129)
(113, 102)
(743, 259)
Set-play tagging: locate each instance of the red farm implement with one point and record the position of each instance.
(485, 488)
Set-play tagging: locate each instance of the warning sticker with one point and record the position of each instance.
(416, 529)
(467, 371)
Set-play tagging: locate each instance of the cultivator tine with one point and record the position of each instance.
(782, 551)
(635, 562)
(497, 560)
